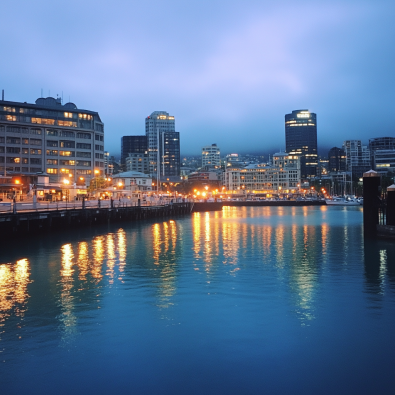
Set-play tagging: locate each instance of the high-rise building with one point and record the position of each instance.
(382, 154)
(137, 162)
(211, 156)
(48, 137)
(132, 145)
(163, 145)
(337, 160)
(357, 157)
(301, 139)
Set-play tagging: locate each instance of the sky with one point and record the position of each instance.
(227, 70)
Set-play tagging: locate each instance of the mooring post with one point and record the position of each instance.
(391, 205)
(83, 202)
(371, 199)
(14, 205)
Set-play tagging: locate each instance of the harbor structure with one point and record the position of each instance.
(48, 137)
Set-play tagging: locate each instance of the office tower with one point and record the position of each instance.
(163, 145)
(301, 139)
(48, 137)
(382, 154)
(132, 144)
(357, 157)
(337, 160)
(137, 162)
(211, 156)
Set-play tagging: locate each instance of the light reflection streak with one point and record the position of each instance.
(67, 319)
(110, 257)
(14, 279)
(121, 235)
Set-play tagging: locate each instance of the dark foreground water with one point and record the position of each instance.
(258, 300)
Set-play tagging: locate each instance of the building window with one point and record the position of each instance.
(52, 161)
(67, 123)
(67, 144)
(35, 141)
(52, 143)
(66, 153)
(52, 171)
(13, 140)
(52, 152)
(84, 146)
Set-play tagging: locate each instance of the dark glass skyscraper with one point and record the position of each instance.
(132, 145)
(301, 139)
(337, 159)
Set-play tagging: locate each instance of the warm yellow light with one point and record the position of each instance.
(198, 193)
(204, 194)
(97, 171)
(17, 182)
(66, 181)
(206, 187)
(70, 175)
(119, 184)
(82, 178)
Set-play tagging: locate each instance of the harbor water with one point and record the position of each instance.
(247, 300)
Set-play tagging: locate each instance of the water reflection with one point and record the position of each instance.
(164, 238)
(235, 242)
(14, 279)
(379, 262)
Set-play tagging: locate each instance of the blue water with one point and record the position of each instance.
(253, 300)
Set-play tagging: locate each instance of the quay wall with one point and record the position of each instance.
(29, 222)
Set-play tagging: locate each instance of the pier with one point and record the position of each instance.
(55, 218)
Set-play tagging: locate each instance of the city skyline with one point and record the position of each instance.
(221, 77)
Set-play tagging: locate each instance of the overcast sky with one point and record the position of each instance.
(227, 70)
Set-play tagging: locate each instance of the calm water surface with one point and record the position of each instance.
(253, 300)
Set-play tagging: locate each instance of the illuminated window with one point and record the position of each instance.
(10, 117)
(52, 171)
(85, 116)
(68, 115)
(44, 121)
(67, 123)
(66, 153)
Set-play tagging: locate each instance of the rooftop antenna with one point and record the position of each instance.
(41, 92)
(2, 94)
(62, 97)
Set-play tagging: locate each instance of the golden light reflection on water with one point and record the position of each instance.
(164, 237)
(14, 279)
(110, 257)
(67, 319)
(79, 270)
